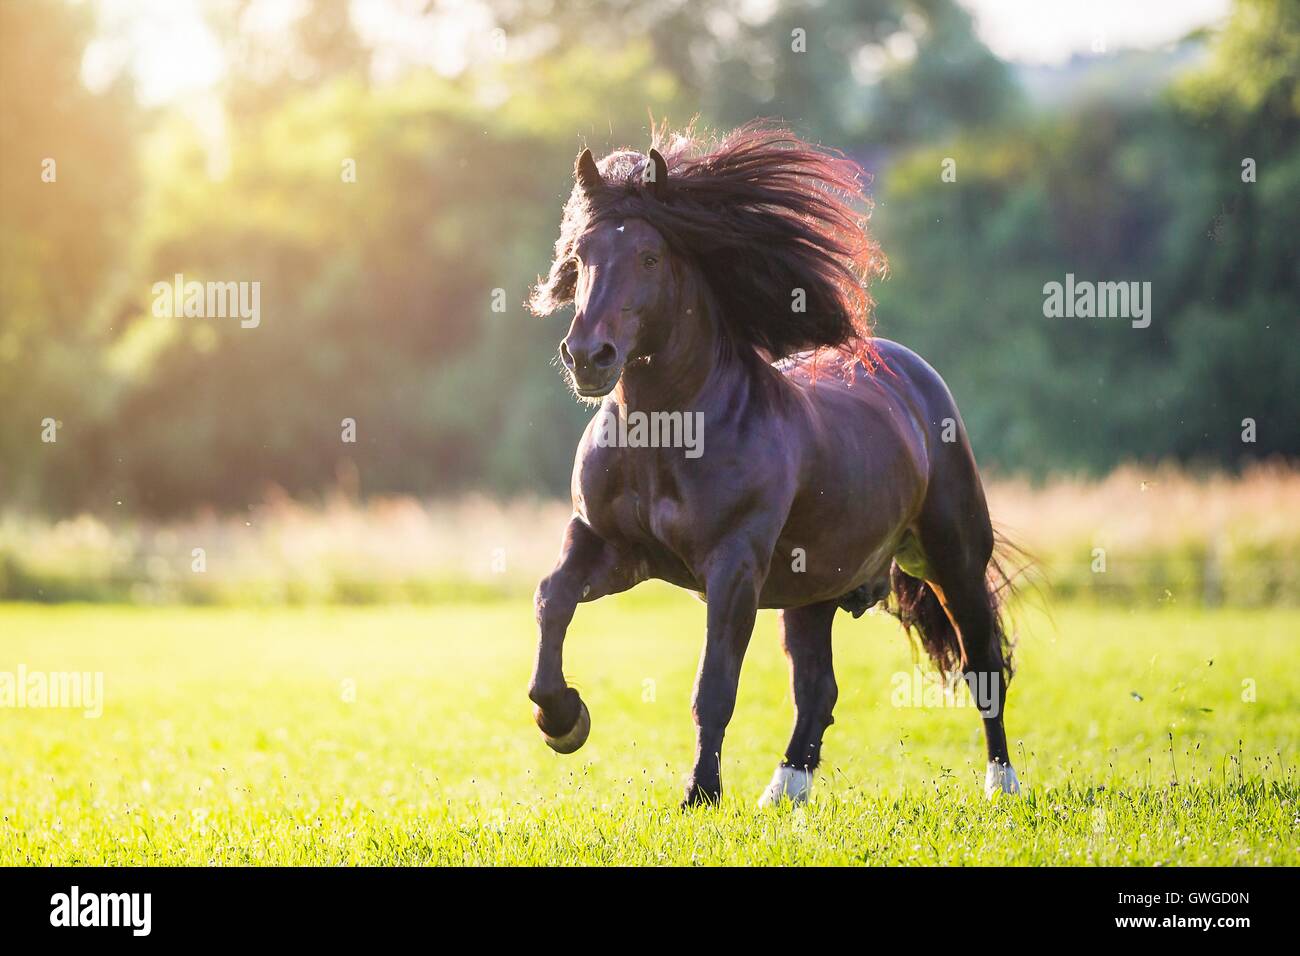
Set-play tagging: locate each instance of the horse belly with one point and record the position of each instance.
(859, 499)
(832, 566)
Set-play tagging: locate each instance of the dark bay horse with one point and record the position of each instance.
(730, 283)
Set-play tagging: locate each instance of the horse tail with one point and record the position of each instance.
(918, 609)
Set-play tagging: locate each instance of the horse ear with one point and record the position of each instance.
(655, 175)
(586, 173)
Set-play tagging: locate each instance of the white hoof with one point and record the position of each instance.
(787, 783)
(1000, 778)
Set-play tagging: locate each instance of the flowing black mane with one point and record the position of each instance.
(775, 224)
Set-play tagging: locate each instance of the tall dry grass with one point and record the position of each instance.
(1138, 536)
(1160, 534)
(386, 549)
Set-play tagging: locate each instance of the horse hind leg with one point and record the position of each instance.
(972, 607)
(806, 638)
(956, 610)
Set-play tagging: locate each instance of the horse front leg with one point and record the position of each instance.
(731, 591)
(589, 568)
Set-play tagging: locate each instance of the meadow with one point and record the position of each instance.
(300, 554)
(402, 735)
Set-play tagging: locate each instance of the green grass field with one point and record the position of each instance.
(404, 736)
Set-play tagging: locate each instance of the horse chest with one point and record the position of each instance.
(650, 516)
(642, 511)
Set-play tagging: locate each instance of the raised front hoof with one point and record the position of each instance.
(701, 796)
(788, 784)
(575, 737)
(1000, 779)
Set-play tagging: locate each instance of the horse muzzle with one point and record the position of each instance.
(596, 389)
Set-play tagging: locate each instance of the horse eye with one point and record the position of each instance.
(650, 262)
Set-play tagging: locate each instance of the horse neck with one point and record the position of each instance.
(695, 358)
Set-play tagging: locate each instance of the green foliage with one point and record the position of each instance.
(377, 295)
(62, 228)
(1109, 193)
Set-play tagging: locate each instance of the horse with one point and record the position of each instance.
(728, 279)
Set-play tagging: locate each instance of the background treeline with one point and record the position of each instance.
(377, 295)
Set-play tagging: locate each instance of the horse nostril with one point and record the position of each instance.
(604, 356)
(565, 355)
